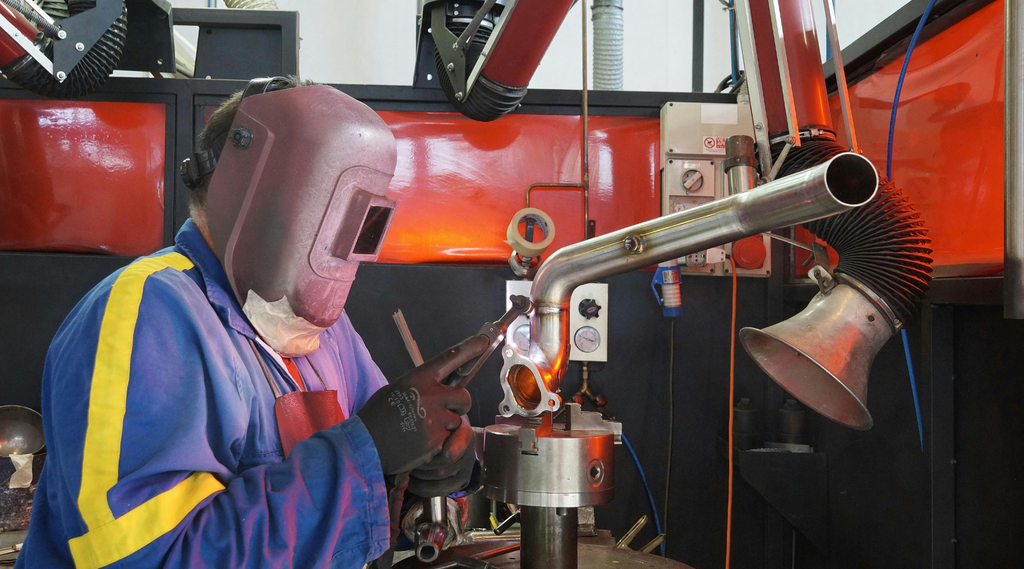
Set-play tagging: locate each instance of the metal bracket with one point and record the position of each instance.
(474, 24)
(452, 56)
(85, 29)
(753, 81)
(784, 75)
(837, 61)
(26, 44)
(825, 281)
(820, 255)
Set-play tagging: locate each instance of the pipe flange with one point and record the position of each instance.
(872, 297)
(526, 394)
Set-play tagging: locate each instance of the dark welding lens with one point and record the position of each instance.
(374, 226)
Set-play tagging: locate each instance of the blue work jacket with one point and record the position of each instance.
(162, 441)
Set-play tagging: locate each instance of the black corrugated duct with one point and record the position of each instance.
(883, 244)
(91, 72)
(489, 100)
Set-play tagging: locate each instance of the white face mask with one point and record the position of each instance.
(289, 335)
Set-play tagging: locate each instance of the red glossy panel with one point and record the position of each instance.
(948, 152)
(459, 182)
(82, 176)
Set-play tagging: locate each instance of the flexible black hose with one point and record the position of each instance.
(489, 99)
(883, 244)
(90, 73)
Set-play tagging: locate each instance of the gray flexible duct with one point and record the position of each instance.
(607, 18)
(251, 4)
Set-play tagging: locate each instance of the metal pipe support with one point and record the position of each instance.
(549, 538)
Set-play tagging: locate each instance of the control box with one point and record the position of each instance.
(693, 139)
(588, 321)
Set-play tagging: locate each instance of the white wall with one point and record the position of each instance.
(355, 41)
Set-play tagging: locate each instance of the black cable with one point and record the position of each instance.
(671, 416)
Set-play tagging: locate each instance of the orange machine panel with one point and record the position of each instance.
(948, 151)
(459, 182)
(82, 176)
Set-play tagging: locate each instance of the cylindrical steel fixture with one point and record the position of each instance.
(739, 164)
(844, 182)
(1013, 162)
(804, 61)
(549, 538)
(567, 469)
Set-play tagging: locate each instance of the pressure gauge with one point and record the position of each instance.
(522, 337)
(587, 339)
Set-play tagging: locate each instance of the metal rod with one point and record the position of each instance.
(585, 144)
(792, 242)
(784, 73)
(755, 89)
(837, 62)
(474, 24)
(549, 538)
(1013, 162)
(629, 535)
(844, 182)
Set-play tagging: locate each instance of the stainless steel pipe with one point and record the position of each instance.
(844, 182)
(1013, 162)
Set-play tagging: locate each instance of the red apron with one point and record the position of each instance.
(301, 413)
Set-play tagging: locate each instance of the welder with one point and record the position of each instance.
(211, 405)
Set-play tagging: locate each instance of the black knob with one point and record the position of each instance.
(589, 308)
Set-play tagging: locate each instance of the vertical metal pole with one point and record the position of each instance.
(585, 143)
(549, 538)
(784, 74)
(837, 62)
(697, 83)
(755, 89)
(1013, 165)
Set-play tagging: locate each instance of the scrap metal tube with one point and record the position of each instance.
(1013, 163)
(842, 183)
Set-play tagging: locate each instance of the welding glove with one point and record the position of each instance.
(449, 471)
(412, 418)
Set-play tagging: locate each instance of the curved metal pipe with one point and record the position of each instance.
(844, 182)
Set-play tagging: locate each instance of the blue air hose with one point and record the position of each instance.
(888, 174)
(650, 497)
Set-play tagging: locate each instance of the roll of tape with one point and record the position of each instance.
(541, 221)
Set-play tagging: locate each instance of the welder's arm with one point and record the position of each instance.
(156, 487)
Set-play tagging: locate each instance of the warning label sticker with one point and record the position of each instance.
(714, 145)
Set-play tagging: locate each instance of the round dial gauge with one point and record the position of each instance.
(521, 337)
(587, 339)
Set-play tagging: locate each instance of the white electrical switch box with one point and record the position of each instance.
(693, 139)
(588, 321)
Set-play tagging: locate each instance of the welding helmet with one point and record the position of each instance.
(295, 203)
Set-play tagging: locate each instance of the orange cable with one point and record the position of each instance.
(732, 389)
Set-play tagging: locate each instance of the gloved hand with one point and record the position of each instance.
(450, 470)
(410, 419)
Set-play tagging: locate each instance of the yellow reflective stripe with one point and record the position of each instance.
(141, 526)
(108, 394)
